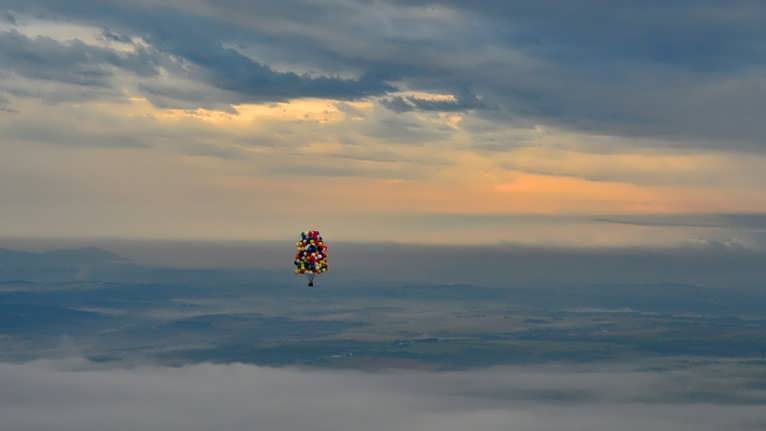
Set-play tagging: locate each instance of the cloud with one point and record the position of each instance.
(53, 394)
(73, 138)
(691, 72)
(115, 37)
(227, 69)
(5, 105)
(754, 222)
(224, 153)
(72, 63)
(416, 103)
(501, 107)
(202, 57)
(8, 17)
(27, 129)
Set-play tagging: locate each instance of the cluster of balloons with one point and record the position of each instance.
(311, 257)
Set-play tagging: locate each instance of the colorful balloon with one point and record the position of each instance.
(311, 255)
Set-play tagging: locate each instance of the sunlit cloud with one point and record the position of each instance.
(399, 108)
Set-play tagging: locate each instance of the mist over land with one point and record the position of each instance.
(50, 395)
(432, 336)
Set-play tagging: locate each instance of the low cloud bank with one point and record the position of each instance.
(82, 396)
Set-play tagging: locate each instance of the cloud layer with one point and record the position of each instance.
(689, 70)
(75, 395)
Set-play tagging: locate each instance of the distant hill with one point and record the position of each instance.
(95, 264)
(63, 264)
(84, 255)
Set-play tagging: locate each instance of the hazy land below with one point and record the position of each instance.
(535, 336)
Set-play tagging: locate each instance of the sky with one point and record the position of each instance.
(579, 123)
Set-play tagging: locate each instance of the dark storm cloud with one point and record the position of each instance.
(53, 394)
(246, 81)
(705, 35)
(690, 71)
(73, 62)
(8, 17)
(227, 69)
(199, 41)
